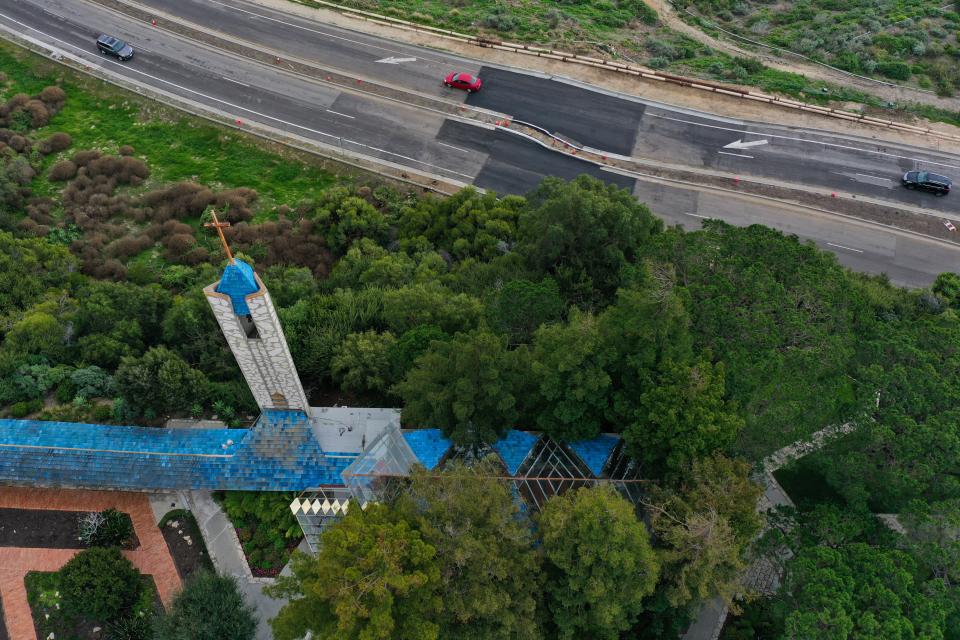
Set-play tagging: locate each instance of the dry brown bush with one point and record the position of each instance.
(63, 170)
(125, 150)
(128, 246)
(59, 141)
(38, 209)
(39, 114)
(174, 227)
(81, 158)
(53, 96)
(110, 270)
(178, 244)
(179, 200)
(285, 242)
(18, 143)
(195, 256)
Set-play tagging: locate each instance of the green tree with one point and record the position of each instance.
(464, 387)
(362, 362)
(568, 363)
(584, 233)
(209, 607)
(28, 268)
(599, 565)
(681, 418)
(704, 528)
(347, 218)
(410, 307)
(466, 224)
(288, 284)
(159, 382)
(375, 578)
(860, 591)
(411, 345)
(490, 574)
(99, 584)
(947, 286)
(521, 307)
(190, 329)
(38, 333)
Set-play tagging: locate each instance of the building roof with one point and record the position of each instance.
(429, 445)
(514, 448)
(595, 452)
(238, 281)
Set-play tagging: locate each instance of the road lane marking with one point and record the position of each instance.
(740, 144)
(326, 34)
(840, 246)
(806, 140)
(392, 60)
(695, 215)
(453, 147)
(242, 84)
(867, 175)
(235, 106)
(739, 155)
(337, 113)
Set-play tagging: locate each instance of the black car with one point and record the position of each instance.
(936, 184)
(114, 47)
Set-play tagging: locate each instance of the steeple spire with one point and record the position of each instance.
(220, 226)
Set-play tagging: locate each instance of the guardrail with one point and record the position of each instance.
(633, 70)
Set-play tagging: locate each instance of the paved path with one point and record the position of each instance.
(151, 558)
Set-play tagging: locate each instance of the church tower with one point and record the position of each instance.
(249, 321)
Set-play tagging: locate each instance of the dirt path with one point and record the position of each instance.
(648, 89)
(670, 17)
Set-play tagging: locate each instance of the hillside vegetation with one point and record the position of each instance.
(905, 41)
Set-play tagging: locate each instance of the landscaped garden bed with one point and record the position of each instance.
(267, 530)
(49, 529)
(185, 543)
(91, 597)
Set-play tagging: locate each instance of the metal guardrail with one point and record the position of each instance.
(633, 70)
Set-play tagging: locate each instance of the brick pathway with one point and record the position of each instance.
(151, 558)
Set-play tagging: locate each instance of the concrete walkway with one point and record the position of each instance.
(764, 574)
(224, 549)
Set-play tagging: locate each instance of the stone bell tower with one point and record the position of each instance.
(249, 321)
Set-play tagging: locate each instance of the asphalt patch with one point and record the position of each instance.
(516, 165)
(587, 117)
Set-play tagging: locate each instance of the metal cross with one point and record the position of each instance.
(220, 226)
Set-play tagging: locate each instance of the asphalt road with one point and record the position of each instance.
(492, 159)
(612, 123)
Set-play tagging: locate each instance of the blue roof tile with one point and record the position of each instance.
(595, 452)
(429, 445)
(515, 447)
(238, 281)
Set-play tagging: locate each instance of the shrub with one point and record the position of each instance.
(53, 97)
(894, 70)
(99, 584)
(125, 150)
(59, 142)
(25, 408)
(132, 628)
(205, 594)
(108, 528)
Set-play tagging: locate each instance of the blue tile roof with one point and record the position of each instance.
(595, 452)
(278, 454)
(515, 447)
(238, 281)
(429, 445)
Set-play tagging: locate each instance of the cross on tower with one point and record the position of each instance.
(220, 226)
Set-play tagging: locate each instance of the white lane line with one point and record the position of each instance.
(453, 147)
(840, 246)
(826, 144)
(337, 113)
(242, 84)
(238, 107)
(695, 215)
(867, 175)
(322, 33)
(739, 155)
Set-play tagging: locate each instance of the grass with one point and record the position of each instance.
(176, 147)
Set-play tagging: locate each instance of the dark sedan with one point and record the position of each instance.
(114, 47)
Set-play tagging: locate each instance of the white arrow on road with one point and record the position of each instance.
(392, 60)
(740, 144)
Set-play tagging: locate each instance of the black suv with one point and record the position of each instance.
(114, 47)
(936, 184)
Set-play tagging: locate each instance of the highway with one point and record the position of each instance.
(459, 149)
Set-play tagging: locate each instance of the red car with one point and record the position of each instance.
(463, 81)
